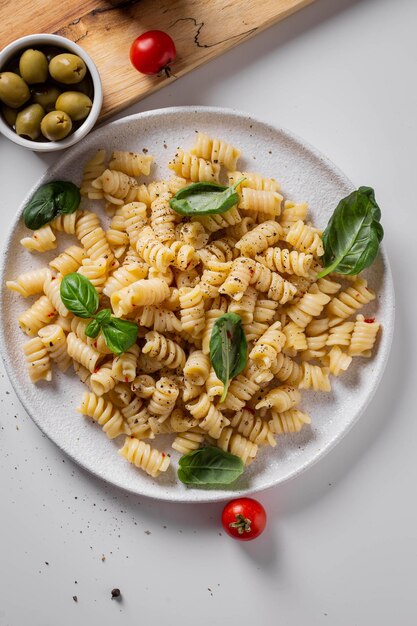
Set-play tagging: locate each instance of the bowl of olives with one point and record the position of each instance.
(50, 92)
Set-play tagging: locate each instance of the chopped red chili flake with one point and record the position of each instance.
(163, 453)
(95, 344)
(126, 379)
(229, 334)
(96, 369)
(53, 277)
(369, 320)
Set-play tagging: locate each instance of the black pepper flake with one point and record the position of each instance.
(75, 598)
(115, 593)
(145, 150)
(148, 532)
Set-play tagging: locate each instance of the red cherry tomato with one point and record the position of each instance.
(244, 519)
(153, 52)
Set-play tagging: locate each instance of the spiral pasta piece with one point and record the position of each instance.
(41, 312)
(55, 342)
(215, 222)
(66, 222)
(246, 306)
(135, 219)
(280, 398)
(116, 234)
(131, 163)
(93, 237)
(102, 379)
(164, 350)
(236, 444)
(305, 238)
(241, 389)
(311, 305)
(290, 421)
(194, 234)
(163, 398)
(314, 377)
(349, 301)
(68, 261)
(340, 335)
(189, 166)
(124, 365)
(83, 353)
(210, 419)
(37, 360)
(151, 250)
(286, 262)
(363, 336)
(104, 413)
(192, 312)
(260, 238)
(273, 284)
(143, 386)
(263, 313)
(30, 283)
(337, 361)
(266, 202)
(160, 319)
(292, 213)
(176, 183)
(213, 276)
(95, 271)
(268, 346)
(92, 170)
(216, 150)
(185, 256)
(197, 368)
(140, 293)
(214, 386)
(143, 456)
(42, 240)
(188, 441)
(130, 272)
(117, 187)
(294, 337)
(253, 428)
(163, 219)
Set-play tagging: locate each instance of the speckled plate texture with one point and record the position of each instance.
(305, 175)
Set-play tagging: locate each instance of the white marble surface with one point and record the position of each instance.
(340, 546)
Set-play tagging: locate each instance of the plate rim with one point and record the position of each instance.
(388, 330)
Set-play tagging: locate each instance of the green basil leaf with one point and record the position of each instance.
(50, 200)
(103, 316)
(205, 199)
(93, 329)
(79, 295)
(67, 196)
(209, 466)
(119, 335)
(228, 348)
(352, 236)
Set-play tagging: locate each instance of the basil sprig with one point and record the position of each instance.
(352, 236)
(209, 466)
(205, 198)
(50, 200)
(228, 349)
(80, 297)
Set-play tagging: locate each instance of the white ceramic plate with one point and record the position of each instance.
(305, 175)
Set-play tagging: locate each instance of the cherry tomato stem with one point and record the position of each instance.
(244, 519)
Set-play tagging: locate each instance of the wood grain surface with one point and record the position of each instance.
(201, 29)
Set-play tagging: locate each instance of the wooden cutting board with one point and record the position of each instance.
(201, 29)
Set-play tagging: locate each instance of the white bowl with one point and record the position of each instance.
(43, 39)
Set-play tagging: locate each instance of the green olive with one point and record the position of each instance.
(13, 90)
(67, 68)
(33, 66)
(46, 96)
(28, 121)
(56, 125)
(9, 115)
(76, 104)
